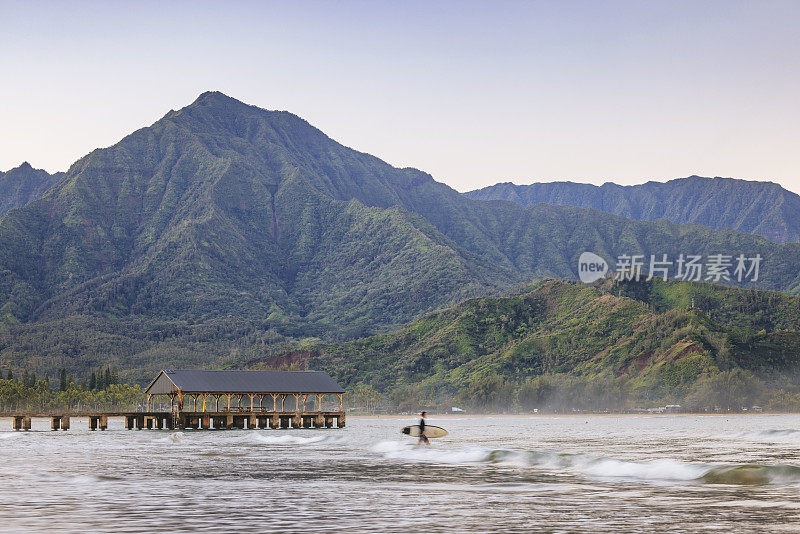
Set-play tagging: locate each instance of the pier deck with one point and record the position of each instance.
(185, 420)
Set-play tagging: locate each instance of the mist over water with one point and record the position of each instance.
(490, 474)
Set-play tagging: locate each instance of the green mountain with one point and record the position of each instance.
(24, 184)
(760, 208)
(640, 343)
(224, 230)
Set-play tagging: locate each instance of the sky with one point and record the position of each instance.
(473, 92)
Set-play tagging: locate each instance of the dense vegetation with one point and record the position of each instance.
(761, 208)
(23, 184)
(610, 346)
(224, 233)
(103, 391)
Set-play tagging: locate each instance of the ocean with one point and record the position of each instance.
(584, 473)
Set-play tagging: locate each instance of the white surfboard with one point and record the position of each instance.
(430, 431)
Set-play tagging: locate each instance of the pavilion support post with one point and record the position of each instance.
(229, 402)
(304, 402)
(216, 405)
(251, 401)
(274, 402)
(103, 422)
(283, 403)
(319, 402)
(341, 402)
(148, 401)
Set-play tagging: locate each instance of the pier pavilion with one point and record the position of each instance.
(278, 399)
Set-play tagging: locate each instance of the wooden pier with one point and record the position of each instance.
(222, 420)
(205, 400)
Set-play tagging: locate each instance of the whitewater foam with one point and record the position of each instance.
(289, 439)
(597, 467)
(175, 437)
(396, 450)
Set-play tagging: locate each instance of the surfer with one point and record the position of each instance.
(422, 437)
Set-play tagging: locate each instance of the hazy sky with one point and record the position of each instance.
(472, 92)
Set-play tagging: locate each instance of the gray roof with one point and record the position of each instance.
(196, 381)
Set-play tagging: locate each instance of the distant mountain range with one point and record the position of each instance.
(24, 184)
(224, 228)
(760, 208)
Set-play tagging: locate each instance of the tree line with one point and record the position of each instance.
(103, 391)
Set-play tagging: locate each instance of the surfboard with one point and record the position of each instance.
(430, 431)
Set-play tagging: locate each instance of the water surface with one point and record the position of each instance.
(491, 474)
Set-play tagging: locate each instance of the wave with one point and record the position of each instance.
(778, 432)
(752, 474)
(175, 437)
(289, 439)
(598, 467)
(397, 450)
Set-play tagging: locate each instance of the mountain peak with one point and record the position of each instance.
(215, 97)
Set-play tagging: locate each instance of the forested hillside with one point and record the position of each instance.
(563, 345)
(23, 184)
(761, 208)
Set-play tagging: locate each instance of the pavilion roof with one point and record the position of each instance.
(201, 381)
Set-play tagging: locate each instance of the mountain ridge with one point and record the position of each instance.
(747, 206)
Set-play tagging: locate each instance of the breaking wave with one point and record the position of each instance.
(289, 439)
(779, 432)
(175, 437)
(663, 470)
